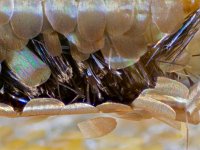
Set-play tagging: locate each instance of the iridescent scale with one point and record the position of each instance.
(68, 57)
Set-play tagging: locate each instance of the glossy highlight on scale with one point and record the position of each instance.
(138, 59)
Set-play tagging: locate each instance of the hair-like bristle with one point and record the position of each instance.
(92, 81)
(89, 82)
(175, 44)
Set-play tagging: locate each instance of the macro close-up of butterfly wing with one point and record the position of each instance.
(99, 74)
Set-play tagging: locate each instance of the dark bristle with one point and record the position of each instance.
(92, 81)
(89, 82)
(174, 44)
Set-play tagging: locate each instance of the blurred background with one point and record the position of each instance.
(62, 133)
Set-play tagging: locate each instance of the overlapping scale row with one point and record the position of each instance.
(68, 79)
(53, 59)
(129, 24)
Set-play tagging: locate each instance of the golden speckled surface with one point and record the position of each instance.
(61, 133)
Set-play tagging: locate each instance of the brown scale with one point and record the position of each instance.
(92, 81)
(97, 84)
